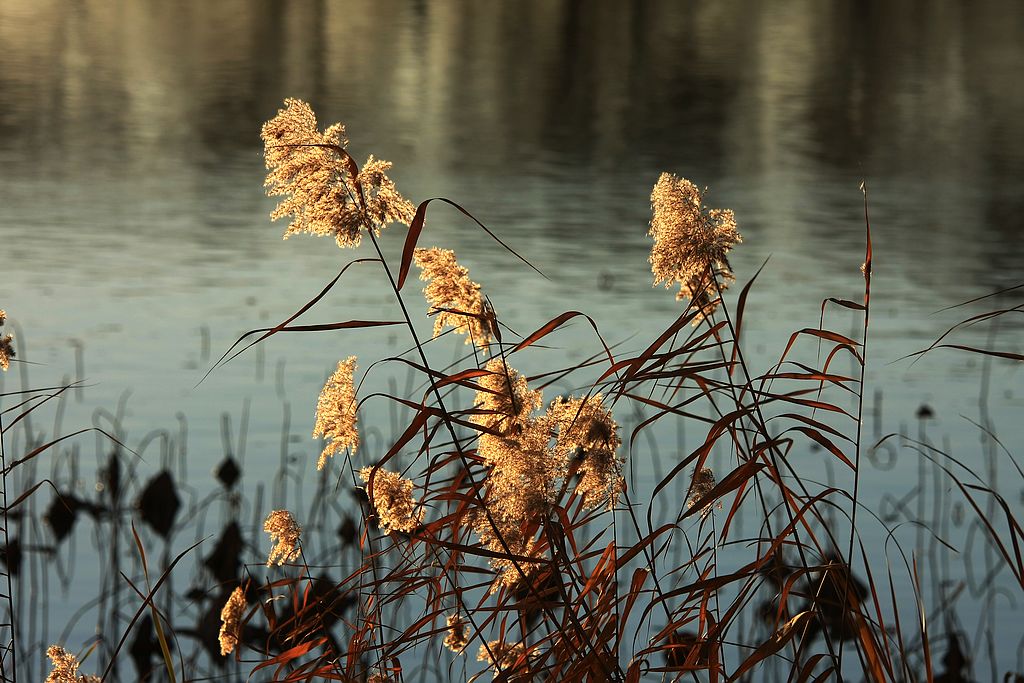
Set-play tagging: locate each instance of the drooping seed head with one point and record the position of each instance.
(284, 533)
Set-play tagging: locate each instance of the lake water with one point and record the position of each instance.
(134, 230)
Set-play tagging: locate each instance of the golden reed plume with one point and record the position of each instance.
(501, 654)
(284, 533)
(457, 639)
(65, 667)
(522, 468)
(336, 412)
(231, 621)
(455, 298)
(325, 194)
(691, 243)
(588, 440)
(392, 497)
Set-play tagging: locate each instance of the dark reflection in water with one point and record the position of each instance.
(563, 104)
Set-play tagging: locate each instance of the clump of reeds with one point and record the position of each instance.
(528, 481)
(499, 523)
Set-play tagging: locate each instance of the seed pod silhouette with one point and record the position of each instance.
(159, 503)
(228, 472)
(61, 515)
(225, 559)
(144, 649)
(10, 555)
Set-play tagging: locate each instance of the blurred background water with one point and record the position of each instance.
(134, 230)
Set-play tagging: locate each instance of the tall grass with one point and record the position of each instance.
(501, 533)
(509, 530)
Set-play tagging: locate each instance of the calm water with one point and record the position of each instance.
(133, 225)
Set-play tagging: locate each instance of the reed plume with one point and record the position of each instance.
(336, 412)
(503, 399)
(391, 496)
(588, 440)
(65, 667)
(691, 243)
(500, 653)
(523, 470)
(284, 533)
(457, 639)
(522, 467)
(231, 621)
(702, 484)
(325, 193)
(6, 345)
(453, 297)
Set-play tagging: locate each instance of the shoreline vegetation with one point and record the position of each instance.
(508, 534)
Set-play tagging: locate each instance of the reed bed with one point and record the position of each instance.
(504, 532)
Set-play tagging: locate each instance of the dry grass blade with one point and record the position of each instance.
(416, 227)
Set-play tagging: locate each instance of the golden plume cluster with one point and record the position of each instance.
(336, 412)
(504, 399)
(457, 639)
(65, 667)
(284, 533)
(691, 243)
(588, 440)
(391, 496)
(524, 466)
(455, 300)
(231, 621)
(521, 468)
(325, 193)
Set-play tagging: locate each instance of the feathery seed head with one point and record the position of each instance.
(284, 533)
(391, 496)
(504, 398)
(65, 667)
(523, 468)
(231, 621)
(586, 427)
(691, 243)
(457, 638)
(6, 344)
(502, 654)
(336, 412)
(325, 194)
(520, 490)
(455, 299)
(703, 483)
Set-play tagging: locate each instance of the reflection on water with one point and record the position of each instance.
(132, 213)
(553, 118)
